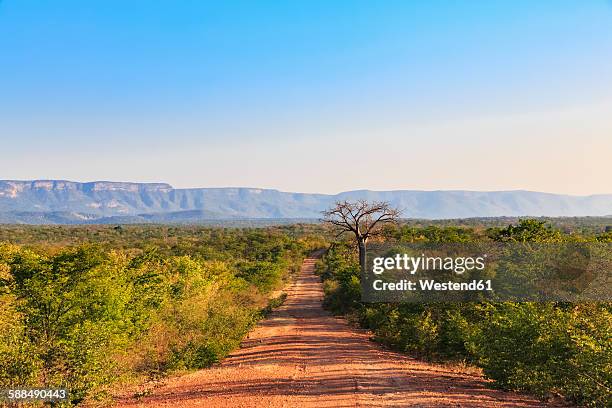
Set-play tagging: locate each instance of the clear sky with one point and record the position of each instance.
(313, 96)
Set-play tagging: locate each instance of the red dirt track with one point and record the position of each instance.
(301, 356)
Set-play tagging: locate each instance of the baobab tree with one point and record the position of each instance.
(361, 218)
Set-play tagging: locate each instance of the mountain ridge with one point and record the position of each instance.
(64, 201)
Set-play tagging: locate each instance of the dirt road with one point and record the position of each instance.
(303, 357)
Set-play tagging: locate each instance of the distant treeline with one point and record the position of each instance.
(569, 225)
(140, 235)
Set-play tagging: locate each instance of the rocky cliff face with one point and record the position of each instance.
(97, 198)
(12, 188)
(60, 201)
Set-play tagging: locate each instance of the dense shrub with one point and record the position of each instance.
(548, 348)
(84, 316)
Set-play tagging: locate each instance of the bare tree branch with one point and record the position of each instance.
(362, 218)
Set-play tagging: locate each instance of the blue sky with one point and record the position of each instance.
(310, 95)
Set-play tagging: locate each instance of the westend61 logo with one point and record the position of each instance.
(464, 272)
(412, 264)
(408, 264)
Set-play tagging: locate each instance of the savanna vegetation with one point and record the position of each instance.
(547, 349)
(93, 308)
(87, 308)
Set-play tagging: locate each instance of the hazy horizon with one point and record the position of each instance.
(313, 97)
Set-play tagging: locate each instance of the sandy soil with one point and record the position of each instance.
(301, 356)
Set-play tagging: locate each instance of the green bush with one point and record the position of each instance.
(193, 356)
(548, 348)
(83, 317)
(264, 275)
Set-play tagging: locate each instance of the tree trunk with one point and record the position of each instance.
(361, 243)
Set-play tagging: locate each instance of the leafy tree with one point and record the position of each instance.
(529, 230)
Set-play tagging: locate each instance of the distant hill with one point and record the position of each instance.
(67, 202)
